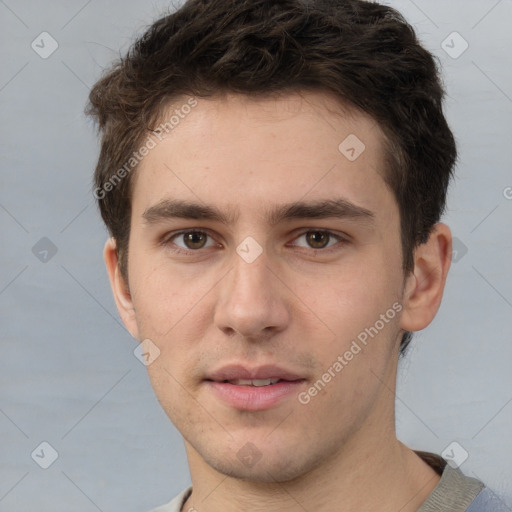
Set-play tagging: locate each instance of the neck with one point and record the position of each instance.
(381, 475)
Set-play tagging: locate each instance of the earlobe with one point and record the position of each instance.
(425, 286)
(120, 290)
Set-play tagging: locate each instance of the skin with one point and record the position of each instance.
(295, 306)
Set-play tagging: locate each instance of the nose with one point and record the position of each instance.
(252, 301)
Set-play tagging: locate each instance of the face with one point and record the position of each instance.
(265, 266)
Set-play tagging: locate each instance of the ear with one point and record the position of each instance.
(120, 290)
(425, 285)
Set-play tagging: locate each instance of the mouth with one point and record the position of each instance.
(258, 383)
(254, 389)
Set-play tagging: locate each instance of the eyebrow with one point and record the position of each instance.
(320, 209)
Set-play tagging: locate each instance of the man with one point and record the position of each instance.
(272, 175)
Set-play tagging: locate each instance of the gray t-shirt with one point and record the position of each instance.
(454, 492)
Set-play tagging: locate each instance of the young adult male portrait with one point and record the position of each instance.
(307, 208)
(273, 176)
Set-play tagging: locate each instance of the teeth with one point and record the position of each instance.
(253, 382)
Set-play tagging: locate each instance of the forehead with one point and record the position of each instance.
(245, 152)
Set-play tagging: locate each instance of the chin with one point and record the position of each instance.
(260, 473)
(269, 466)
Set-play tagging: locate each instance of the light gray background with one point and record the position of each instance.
(69, 376)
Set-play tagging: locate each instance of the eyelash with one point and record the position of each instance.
(168, 240)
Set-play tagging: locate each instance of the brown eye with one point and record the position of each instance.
(195, 239)
(188, 242)
(317, 239)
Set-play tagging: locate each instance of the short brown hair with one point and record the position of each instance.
(363, 52)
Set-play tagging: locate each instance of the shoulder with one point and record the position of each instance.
(487, 501)
(457, 492)
(176, 503)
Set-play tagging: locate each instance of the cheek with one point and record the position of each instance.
(362, 309)
(175, 312)
(170, 390)
(162, 297)
(355, 296)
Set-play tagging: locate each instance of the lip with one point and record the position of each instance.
(237, 371)
(253, 398)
